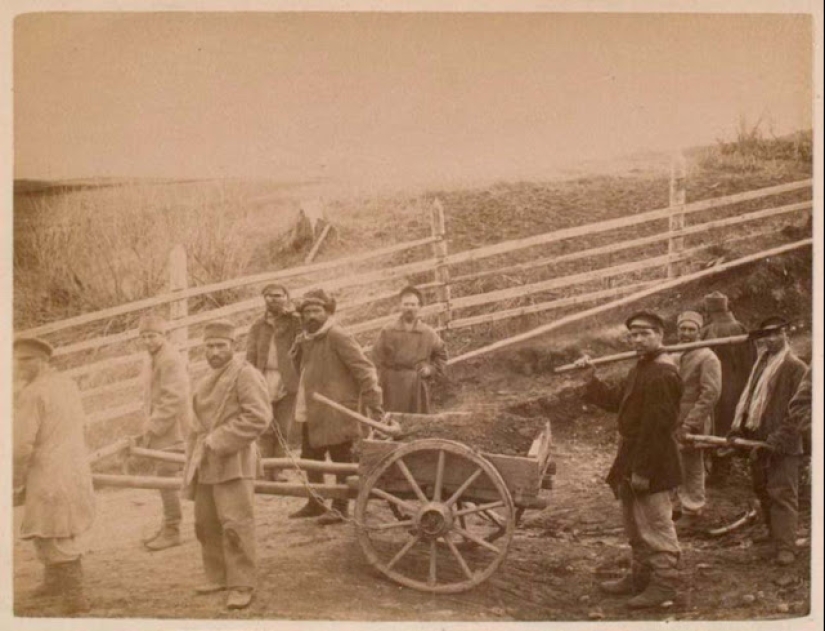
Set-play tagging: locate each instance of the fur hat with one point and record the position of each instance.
(317, 297)
(691, 316)
(716, 302)
(645, 319)
(152, 323)
(222, 329)
(32, 346)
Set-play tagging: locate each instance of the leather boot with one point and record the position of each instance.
(633, 583)
(74, 599)
(312, 508)
(50, 585)
(153, 536)
(657, 593)
(169, 537)
(338, 513)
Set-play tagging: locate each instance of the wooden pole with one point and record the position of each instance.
(677, 213)
(109, 450)
(442, 271)
(178, 281)
(718, 441)
(392, 429)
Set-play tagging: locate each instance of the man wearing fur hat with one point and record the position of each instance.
(267, 348)
(762, 414)
(646, 468)
(166, 409)
(52, 476)
(408, 355)
(331, 363)
(737, 361)
(701, 374)
(231, 410)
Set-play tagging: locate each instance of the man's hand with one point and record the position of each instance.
(775, 441)
(425, 371)
(639, 484)
(733, 434)
(584, 362)
(375, 413)
(681, 434)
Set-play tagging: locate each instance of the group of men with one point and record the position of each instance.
(665, 399)
(245, 407)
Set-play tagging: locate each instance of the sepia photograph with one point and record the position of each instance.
(427, 313)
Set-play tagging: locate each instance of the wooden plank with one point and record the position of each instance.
(441, 275)
(676, 243)
(178, 310)
(116, 387)
(317, 245)
(113, 413)
(629, 299)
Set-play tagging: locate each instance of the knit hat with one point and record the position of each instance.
(317, 297)
(412, 291)
(716, 302)
(691, 316)
(152, 323)
(645, 320)
(222, 329)
(32, 346)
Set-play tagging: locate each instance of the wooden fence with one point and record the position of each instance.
(107, 366)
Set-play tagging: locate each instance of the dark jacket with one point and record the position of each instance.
(287, 328)
(798, 420)
(737, 361)
(647, 403)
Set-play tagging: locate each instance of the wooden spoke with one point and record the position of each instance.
(413, 484)
(478, 509)
(391, 498)
(431, 580)
(464, 487)
(466, 568)
(439, 476)
(389, 525)
(471, 537)
(496, 519)
(407, 546)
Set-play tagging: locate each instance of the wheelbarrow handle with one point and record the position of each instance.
(392, 428)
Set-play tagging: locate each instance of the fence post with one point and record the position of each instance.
(178, 280)
(677, 215)
(442, 271)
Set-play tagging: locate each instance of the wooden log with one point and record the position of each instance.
(117, 447)
(669, 284)
(115, 412)
(390, 429)
(676, 243)
(718, 441)
(317, 245)
(442, 271)
(178, 310)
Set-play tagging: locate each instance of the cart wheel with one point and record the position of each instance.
(421, 544)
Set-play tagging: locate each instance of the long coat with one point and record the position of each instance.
(737, 361)
(285, 329)
(701, 373)
(647, 403)
(231, 409)
(166, 398)
(334, 365)
(398, 354)
(51, 459)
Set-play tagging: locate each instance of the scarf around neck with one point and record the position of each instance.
(750, 409)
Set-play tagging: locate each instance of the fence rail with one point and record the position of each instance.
(631, 278)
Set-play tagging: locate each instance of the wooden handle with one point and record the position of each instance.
(718, 441)
(392, 429)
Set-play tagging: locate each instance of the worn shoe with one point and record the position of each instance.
(654, 595)
(153, 536)
(688, 521)
(169, 537)
(785, 557)
(209, 588)
(310, 509)
(74, 600)
(762, 537)
(619, 587)
(50, 586)
(336, 515)
(239, 598)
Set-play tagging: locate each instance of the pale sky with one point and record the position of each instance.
(395, 96)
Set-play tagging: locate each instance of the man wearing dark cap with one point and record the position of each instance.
(408, 355)
(267, 348)
(762, 414)
(231, 410)
(166, 413)
(646, 468)
(737, 361)
(51, 471)
(331, 363)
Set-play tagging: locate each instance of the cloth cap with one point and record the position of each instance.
(223, 329)
(31, 346)
(273, 287)
(317, 297)
(646, 320)
(414, 291)
(716, 302)
(691, 316)
(773, 323)
(152, 323)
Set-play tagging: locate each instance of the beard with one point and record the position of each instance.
(311, 326)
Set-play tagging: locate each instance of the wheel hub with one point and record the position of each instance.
(434, 520)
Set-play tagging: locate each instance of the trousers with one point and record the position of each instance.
(54, 550)
(648, 523)
(691, 493)
(225, 528)
(776, 484)
(342, 452)
(170, 498)
(283, 413)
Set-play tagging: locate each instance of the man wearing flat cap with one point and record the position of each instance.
(231, 410)
(408, 355)
(267, 348)
(166, 411)
(762, 414)
(646, 468)
(737, 361)
(51, 471)
(701, 374)
(331, 363)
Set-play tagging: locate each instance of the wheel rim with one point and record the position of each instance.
(435, 516)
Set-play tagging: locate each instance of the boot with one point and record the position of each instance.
(153, 536)
(657, 593)
(169, 537)
(336, 515)
(74, 600)
(312, 508)
(239, 598)
(633, 583)
(50, 585)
